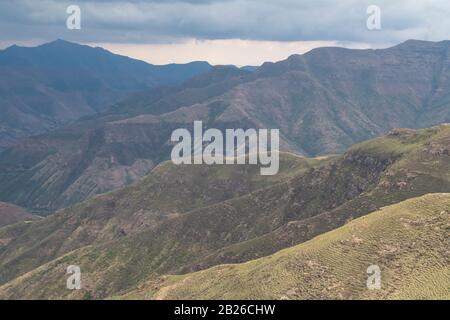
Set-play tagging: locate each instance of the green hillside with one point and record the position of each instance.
(408, 241)
(163, 196)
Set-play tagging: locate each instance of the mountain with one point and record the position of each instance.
(10, 214)
(181, 219)
(323, 102)
(408, 241)
(44, 87)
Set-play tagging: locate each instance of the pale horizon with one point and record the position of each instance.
(236, 52)
(220, 52)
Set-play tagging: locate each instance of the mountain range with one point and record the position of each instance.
(323, 102)
(45, 87)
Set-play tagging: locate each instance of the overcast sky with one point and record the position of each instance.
(238, 32)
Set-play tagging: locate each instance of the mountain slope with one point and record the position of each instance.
(166, 194)
(100, 153)
(43, 87)
(10, 214)
(408, 241)
(322, 102)
(122, 238)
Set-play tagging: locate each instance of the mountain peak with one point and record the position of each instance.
(60, 43)
(413, 43)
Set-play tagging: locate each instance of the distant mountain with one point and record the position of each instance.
(43, 87)
(322, 102)
(249, 68)
(181, 219)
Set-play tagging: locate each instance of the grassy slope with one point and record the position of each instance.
(409, 241)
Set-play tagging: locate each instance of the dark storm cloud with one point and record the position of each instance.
(157, 21)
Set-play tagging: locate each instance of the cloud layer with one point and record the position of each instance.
(158, 21)
(222, 31)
